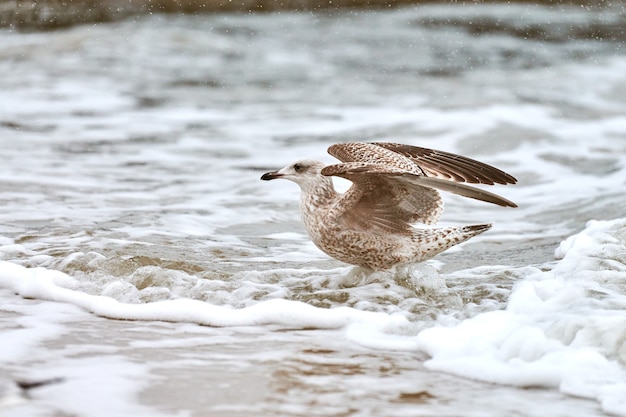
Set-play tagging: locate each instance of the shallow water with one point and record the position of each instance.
(163, 278)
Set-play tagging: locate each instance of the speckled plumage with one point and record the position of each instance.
(393, 186)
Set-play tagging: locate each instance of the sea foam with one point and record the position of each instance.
(563, 328)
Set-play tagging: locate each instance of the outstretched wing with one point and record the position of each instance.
(429, 162)
(395, 185)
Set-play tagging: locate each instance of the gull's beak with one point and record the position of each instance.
(271, 175)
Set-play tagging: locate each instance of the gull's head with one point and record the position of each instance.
(307, 173)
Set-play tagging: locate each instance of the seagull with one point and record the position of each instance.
(393, 187)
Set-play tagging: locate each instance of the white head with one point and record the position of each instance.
(307, 173)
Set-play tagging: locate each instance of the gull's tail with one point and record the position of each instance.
(430, 242)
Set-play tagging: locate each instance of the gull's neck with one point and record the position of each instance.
(318, 193)
(315, 200)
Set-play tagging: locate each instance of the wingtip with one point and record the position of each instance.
(510, 179)
(503, 202)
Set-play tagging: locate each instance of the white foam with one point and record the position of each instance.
(555, 331)
(43, 284)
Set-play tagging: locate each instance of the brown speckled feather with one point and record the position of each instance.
(381, 201)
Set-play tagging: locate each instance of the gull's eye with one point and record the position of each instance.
(298, 167)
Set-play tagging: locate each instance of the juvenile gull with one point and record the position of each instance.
(393, 186)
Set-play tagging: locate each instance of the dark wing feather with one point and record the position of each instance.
(450, 166)
(396, 175)
(458, 188)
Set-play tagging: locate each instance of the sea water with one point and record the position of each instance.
(146, 270)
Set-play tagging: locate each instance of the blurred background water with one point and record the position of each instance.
(131, 157)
